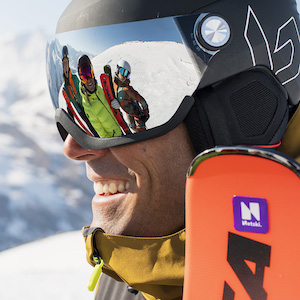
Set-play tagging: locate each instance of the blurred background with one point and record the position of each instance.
(41, 192)
(45, 199)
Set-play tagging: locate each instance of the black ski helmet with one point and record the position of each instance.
(247, 55)
(65, 52)
(82, 61)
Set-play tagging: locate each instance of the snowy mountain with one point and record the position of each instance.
(41, 191)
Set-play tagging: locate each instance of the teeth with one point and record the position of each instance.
(121, 187)
(113, 188)
(98, 188)
(110, 187)
(105, 189)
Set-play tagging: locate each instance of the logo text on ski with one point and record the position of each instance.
(250, 214)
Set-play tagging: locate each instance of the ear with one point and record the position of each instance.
(250, 108)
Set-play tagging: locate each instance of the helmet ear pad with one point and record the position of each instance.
(250, 108)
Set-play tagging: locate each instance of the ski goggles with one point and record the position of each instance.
(124, 72)
(170, 59)
(85, 72)
(152, 102)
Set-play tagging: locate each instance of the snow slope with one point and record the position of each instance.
(51, 268)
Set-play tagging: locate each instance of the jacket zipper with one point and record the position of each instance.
(96, 273)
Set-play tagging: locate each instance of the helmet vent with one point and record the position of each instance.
(254, 107)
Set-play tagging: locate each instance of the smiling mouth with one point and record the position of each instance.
(110, 187)
(90, 85)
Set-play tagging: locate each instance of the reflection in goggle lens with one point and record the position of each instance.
(114, 106)
(86, 72)
(124, 72)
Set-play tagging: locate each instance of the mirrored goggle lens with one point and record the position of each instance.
(148, 104)
(86, 72)
(124, 72)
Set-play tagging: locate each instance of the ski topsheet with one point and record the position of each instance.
(107, 70)
(242, 226)
(109, 94)
(76, 114)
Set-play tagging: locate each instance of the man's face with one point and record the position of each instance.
(90, 85)
(150, 176)
(66, 67)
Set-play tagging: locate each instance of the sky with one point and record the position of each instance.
(29, 15)
(109, 36)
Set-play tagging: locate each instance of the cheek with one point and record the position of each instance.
(131, 156)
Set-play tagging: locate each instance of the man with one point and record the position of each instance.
(134, 105)
(150, 184)
(71, 91)
(224, 61)
(94, 102)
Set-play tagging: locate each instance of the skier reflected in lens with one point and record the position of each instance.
(72, 95)
(94, 102)
(133, 104)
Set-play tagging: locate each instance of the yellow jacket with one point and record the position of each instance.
(154, 266)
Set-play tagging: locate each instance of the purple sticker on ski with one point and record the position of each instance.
(250, 214)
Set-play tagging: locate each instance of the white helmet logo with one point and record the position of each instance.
(215, 31)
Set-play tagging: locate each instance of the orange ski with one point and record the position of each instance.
(242, 226)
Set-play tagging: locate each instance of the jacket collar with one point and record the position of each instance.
(153, 265)
(121, 83)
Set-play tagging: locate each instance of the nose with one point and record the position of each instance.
(74, 151)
